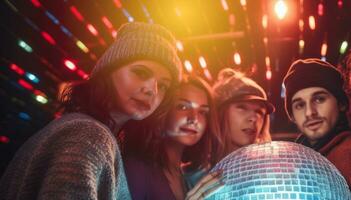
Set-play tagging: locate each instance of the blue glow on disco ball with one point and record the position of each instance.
(279, 170)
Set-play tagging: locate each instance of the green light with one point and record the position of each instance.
(41, 99)
(343, 47)
(82, 46)
(25, 46)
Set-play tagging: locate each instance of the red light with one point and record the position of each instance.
(118, 3)
(82, 74)
(92, 29)
(48, 38)
(36, 3)
(76, 13)
(17, 69)
(107, 22)
(70, 65)
(4, 139)
(320, 9)
(340, 3)
(25, 84)
(102, 42)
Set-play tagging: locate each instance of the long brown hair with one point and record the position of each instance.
(144, 139)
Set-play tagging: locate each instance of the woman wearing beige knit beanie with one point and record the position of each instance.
(77, 156)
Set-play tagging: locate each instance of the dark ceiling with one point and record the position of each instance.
(213, 29)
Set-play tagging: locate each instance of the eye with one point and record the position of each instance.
(319, 99)
(241, 107)
(261, 112)
(298, 105)
(204, 112)
(141, 73)
(181, 107)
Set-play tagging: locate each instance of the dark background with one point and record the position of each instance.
(53, 28)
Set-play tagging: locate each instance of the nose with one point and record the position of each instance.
(192, 117)
(252, 117)
(310, 110)
(150, 87)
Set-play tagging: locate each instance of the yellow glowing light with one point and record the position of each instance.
(202, 62)
(265, 21)
(324, 49)
(268, 61)
(301, 46)
(82, 46)
(179, 45)
(237, 58)
(188, 66)
(312, 22)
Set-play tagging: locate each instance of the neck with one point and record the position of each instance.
(119, 120)
(174, 152)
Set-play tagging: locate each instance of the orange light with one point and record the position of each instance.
(70, 65)
(231, 19)
(114, 33)
(118, 3)
(324, 49)
(267, 61)
(312, 22)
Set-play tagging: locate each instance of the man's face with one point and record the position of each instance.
(315, 112)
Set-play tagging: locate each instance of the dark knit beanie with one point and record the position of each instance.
(233, 86)
(313, 72)
(138, 40)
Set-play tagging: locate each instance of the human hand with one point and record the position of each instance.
(206, 186)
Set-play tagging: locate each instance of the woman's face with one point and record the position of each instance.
(187, 119)
(245, 122)
(140, 87)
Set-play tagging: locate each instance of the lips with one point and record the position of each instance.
(249, 131)
(187, 130)
(141, 104)
(314, 124)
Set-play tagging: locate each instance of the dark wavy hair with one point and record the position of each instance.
(144, 139)
(96, 96)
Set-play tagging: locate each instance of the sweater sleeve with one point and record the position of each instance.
(81, 163)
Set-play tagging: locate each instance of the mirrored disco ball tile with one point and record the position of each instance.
(279, 170)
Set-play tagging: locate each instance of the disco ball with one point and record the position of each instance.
(279, 170)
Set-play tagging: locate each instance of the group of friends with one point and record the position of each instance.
(140, 129)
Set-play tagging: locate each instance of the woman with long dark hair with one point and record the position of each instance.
(161, 148)
(77, 155)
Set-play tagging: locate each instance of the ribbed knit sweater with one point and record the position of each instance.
(73, 157)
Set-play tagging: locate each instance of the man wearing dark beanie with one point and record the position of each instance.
(317, 103)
